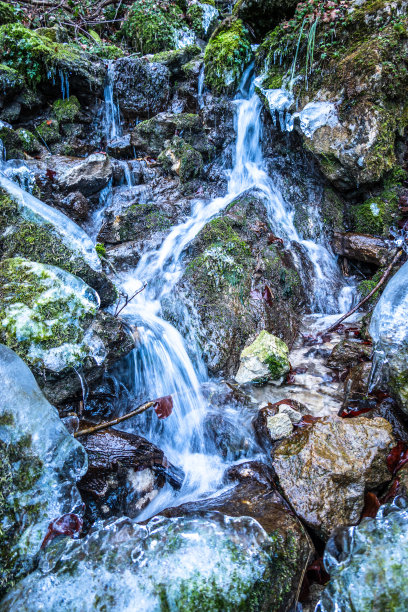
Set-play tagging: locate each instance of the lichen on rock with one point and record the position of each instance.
(265, 360)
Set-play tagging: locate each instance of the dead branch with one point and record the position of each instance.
(138, 410)
(129, 299)
(382, 280)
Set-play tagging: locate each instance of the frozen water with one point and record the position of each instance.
(317, 114)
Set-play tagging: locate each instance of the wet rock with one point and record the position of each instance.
(125, 473)
(238, 284)
(181, 159)
(176, 59)
(150, 136)
(263, 16)
(76, 206)
(368, 559)
(356, 383)
(120, 147)
(51, 319)
(325, 469)
(40, 463)
(279, 426)
(294, 415)
(220, 562)
(265, 360)
(35, 231)
(389, 331)
(361, 247)
(218, 120)
(141, 87)
(12, 143)
(89, 176)
(255, 495)
(348, 353)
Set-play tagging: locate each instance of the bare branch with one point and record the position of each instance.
(135, 412)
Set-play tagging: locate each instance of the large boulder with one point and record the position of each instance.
(89, 176)
(389, 331)
(52, 320)
(326, 469)
(361, 247)
(216, 562)
(31, 229)
(40, 463)
(141, 87)
(265, 360)
(367, 564)
(240, 281)
(351, 103)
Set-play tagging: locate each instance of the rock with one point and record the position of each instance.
(141, 87)
(348, 353)
(150, 136)
(66, 110)
(263, 16)
(89, 176)
(265, 360)
(218, 120)
(31, 229)
(48, 132)
(368, 559)
(40, 463)
(220, 562)
(238, 284)
(125, 473)
(181, 159)
(76, 206)
(389, 331)
(356, 383)
(226, 56)
(176, 59)
(294, 415)
(51, 319)
(362, 248)
(12, 143)
(326, 469)
(120, 147)
(203, 17)
(279, 426)
(255, 495)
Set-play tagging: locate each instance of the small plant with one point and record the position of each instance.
(100, 249)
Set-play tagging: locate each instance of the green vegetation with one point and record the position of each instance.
(48, 131)
(66, 110)
(226, 56)
(8, 14)
(100, 249)
(182, 158)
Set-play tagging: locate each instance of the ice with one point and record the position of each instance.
(47, 490)
(218, 562)
(317, 114)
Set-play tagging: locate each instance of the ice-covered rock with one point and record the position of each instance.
(316, 115)
(40, 463)
(265, 360)
(214, 562)
(389, 331)
(368, 565)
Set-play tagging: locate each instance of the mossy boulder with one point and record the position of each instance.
(361, 71)
(29, 142)
(150, 136)
(48, 131)
(8, 14)
(11, 81)
(181, 159)
(153, 26)
(226, 56)
(31, 229)
(237, 285)
(40, 60)
(12, 143)
(40, 463)
(66, 111)
(203, 17)
(265, 360)
(175, 60)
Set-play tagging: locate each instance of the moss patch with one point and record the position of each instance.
(66, 110)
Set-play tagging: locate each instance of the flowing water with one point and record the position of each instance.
(161, 364)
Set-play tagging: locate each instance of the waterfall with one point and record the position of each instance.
(113, 128)
(161, 364)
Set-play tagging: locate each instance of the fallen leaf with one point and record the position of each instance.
(67, 524)
(164, 407)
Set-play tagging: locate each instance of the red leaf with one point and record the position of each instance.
(392, 492)
(267, 295)
(371, 505)
(50, 174)
(67, 524)
(49, 122)
(397, 457)
(164, 407)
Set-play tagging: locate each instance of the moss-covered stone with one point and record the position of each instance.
(10, 80)
(265, 360)
(226, 56)
(182, 159)
(29, 142)
(66, 110)
(8, 13)
(48, 131)
(108, 52)
(12, 142)
(153, 26)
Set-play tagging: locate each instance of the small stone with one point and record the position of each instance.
(265, 360)
(293, 414)
(279, 426)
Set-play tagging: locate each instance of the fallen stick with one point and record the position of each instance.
(138, 410)
(382, 280)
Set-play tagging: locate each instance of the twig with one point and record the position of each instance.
(382, 280)
(138, 410)
(129, 299)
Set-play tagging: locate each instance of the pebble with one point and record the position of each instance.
(279, 426)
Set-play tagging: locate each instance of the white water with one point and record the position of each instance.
(162, 365)
(113, 127)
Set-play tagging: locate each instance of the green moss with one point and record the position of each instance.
(29, 142)
(226, 56)
(195, 15)
(66, 110)
(108, 52)
(270, 350)
(100, 249)
(48, 131)
(12, 142)
(183, 159)
(8, 13)
(152, 26)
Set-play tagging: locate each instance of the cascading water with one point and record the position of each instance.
(112, 113)
(161, 364)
